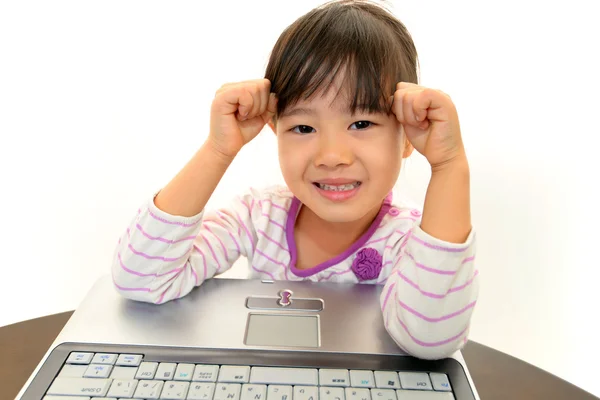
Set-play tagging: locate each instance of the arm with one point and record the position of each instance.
(429, 299)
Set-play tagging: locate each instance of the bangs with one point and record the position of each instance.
(356, 43)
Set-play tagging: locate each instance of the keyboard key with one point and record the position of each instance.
(123, 372)
(331, 393)
(306, 393)
(148, 389)
(284, 376)
(184, 372)
(358, 394)
(206, 373)
(227, 391)
(97, 371)
(72, 371)
(334, 377)
(175, 390)
(103, 358)
(80, 358)
(279, 392)
(254, 392)
(146, 370)
(234, 374)
(362, 379)
(423, 395)
(415, 380)
(440, 381)
(387, 380)
(80, 386)
(201, 391)
(130, 360)
(122, 388)
(383, 394)
(165, 371)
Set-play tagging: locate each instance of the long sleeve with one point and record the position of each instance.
(429, 297)
(161, 257)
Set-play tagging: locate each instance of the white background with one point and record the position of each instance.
(101, 103)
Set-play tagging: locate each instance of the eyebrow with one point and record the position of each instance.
(311, 111)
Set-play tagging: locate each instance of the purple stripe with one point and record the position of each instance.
(274, 262)
(378, 240)
(272, 240)
(264, 272)
(443, 318)
(164, 221)
(387, 296)
(220, 242)
(161, 239)
(430, 344)
(142, 274)
(162, 296)
(440, 248)
(146, 256)
(212, 252)
(250, 238)
(274, 205)
(426, 268)
(289, 230)
(435, 295)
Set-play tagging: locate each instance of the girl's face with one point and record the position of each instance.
(340, 166)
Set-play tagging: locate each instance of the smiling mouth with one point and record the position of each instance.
(338, 188)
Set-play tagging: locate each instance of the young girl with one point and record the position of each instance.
(341, 95)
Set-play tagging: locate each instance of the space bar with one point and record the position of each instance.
(284, 376)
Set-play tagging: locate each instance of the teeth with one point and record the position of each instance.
(339, 188)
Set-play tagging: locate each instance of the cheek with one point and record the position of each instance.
(290, 160)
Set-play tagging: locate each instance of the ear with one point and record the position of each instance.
(272, 126)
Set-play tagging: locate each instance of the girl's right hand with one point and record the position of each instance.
(238, 113)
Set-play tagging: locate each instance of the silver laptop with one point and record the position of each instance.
(239, 339)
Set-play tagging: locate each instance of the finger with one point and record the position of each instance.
(245, 102)
(408, 107)
(405, 85)
(255, 92)
(271, 108)
(432, 105)
(264, 96)
(397, 105)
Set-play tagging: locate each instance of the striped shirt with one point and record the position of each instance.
(430, 286)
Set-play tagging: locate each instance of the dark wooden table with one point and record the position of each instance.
(496, 375)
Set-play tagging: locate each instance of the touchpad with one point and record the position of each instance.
(282, 330)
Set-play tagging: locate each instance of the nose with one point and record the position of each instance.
(334, 151)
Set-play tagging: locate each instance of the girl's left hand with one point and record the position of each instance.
(430, 122)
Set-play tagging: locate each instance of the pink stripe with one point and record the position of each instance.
(443, 318)
(220, 242)
(387, 296)
(426, 268)
(434, 295)
(252, 205)
(162, 296)
(195, 275)
(264, 272)
(146, 256)
(142, 274)
(275, 205)
(212, 252)
(441, 248)
(273, 221)
(466, 260)
(250, 238)
(164, 221)
(204, 259)
(237, 245)
(274, 262)
(378, 240)
(130, 289)
(272, 240)
(430, 344)
(161, 239)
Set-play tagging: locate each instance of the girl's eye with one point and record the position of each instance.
(362, 124)
(303, 129)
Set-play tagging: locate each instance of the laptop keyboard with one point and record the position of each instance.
(90, 376)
